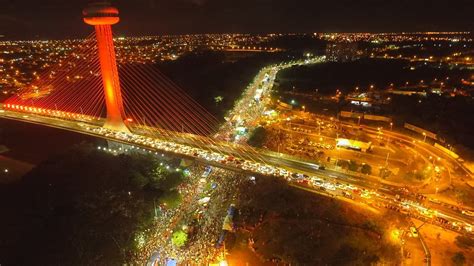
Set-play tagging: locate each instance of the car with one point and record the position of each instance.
(413, 232)
(295, 176)
(434, 200)
(468, 227)
(329, 186)
(442, 220)
(468, 213)
(347, 195)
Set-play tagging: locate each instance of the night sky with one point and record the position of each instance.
(62, 18)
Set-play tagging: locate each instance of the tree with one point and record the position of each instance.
(172, 199)
(257, 138)
(179, 238)
(353, 166)
(350, 254)
(372, 226)
(218, 99)
(458, 259)
(171, 180)
(464, 242)
(366, 169)
(343, 164)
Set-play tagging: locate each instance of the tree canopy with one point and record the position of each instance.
(257, 137)
(179, 238)
(86, 207)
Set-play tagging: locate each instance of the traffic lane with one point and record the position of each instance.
(404, 138)
(379, 201)
(427, 147)
(293, 164)
(312, 168)
(389, 192)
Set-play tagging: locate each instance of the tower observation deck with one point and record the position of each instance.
(102, 16)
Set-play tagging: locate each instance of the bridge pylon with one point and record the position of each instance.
(102, 16)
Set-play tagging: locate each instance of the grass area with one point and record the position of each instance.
(363, 73)
(282, 223)
(444, 245)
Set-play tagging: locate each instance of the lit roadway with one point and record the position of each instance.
(297, 170)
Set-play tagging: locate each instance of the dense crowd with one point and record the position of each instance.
(205, 219)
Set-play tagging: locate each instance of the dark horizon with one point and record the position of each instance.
(54, 19)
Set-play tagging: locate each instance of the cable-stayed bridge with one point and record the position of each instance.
(91, 92)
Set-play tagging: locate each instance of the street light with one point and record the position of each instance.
(424, 137)
(359, 120)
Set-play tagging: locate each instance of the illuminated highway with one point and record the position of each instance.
(301, 172)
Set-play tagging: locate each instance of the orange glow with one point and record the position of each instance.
(101, 21)
(102, 16)
(110, 79)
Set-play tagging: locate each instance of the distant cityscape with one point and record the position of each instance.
(23, 61)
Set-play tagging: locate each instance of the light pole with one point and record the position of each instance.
(424, 137)
(391, 130)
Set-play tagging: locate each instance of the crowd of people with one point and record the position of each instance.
(203, 220)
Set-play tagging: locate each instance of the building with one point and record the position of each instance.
(353, 144)
(342, 51)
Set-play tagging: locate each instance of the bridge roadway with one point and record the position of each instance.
(187, 146)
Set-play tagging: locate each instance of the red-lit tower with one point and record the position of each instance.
(102, 15)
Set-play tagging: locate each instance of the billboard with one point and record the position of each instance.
(378, 118)
(351, 114)
(420, 130)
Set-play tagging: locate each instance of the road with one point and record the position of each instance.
(275, 164)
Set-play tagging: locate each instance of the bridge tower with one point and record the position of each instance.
(102, 16)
